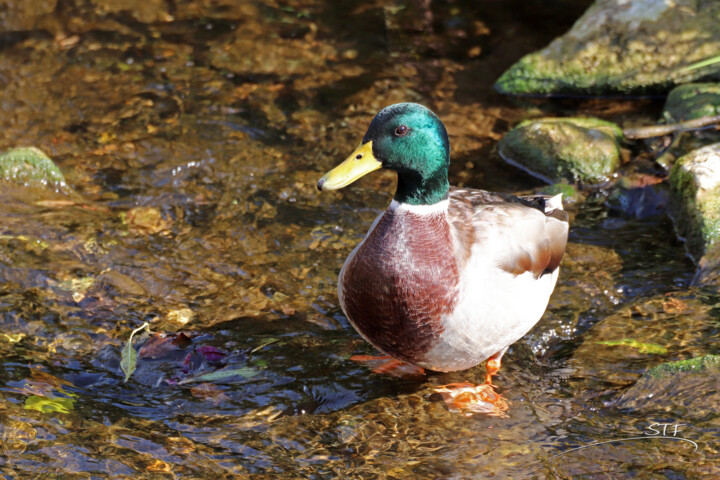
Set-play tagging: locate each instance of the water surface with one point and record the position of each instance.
(194, 132)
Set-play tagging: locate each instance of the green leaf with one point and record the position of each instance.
(702, 63)
(128, 360)
(641, 347)
(246, 372)
(49, 404)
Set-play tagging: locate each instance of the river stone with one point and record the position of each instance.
(688, 386)
(684, 103)
(643, 333)
(30, 167)
(694, 100)
(695, 199)
(621, 46)
(583, 150)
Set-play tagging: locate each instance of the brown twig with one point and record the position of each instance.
(660, 130)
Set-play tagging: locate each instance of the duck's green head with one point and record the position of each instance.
(407, 138)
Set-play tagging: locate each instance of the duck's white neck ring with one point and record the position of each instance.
(402, 207)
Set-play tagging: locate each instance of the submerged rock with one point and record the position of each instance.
(30, 167)
(689, 386)
(623, 47)
(588, 290)
(695, 199)
(583, 150)
(643, 333)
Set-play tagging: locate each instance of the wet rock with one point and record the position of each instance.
(691, 101)
(639, 196)
(619, 349)
(686, 103)
(583, 150)
(623, 47)
(31, 167)
(695, 199)
(688, 387)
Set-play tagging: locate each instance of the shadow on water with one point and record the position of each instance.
(194, 133)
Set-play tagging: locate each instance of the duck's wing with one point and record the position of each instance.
(516, 234)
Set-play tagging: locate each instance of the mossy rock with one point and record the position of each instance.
(31, 167)
(691, 101)
(623, 47)
(695, 199)
(687, 387)
(585, 150)
(697, 365)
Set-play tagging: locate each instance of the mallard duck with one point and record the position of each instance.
(446, 277)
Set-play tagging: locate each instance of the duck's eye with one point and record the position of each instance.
(401, 131)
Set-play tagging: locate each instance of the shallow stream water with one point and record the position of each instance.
(193, 134)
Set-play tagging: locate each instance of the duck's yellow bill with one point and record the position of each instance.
(359, 163)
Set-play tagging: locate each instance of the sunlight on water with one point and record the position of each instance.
(193, 134)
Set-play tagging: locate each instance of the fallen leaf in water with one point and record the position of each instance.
(128, 360)
(211, 354)
(49, 404)
(246, 372)
(210, 392)
(161, 344)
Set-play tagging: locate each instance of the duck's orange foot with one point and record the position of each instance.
(389, 366)
(468, 399)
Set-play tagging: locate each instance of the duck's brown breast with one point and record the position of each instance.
(401, 282)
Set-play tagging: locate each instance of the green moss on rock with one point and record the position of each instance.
(688, 388)
(691, 101)
(698, 365)
(583, 150)
(30, 167)
(623, 47)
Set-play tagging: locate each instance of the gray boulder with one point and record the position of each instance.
(619, 46)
